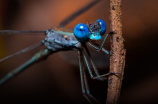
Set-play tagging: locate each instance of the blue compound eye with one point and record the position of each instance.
(81, 32)
(103, 26)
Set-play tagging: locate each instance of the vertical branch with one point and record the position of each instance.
(117, 53)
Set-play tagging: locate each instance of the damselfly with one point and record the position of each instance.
(59, 39)
(62, 39)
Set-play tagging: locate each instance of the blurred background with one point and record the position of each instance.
(57, 79)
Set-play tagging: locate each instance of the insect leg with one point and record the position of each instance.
(104, 50)
(103, 42)
(87, 88)
(84, 84)
(90, 72)
(105, 76)
(37, 57)
(99, 77)
(93, 65)
(101, 47)
(81, 75)
(96, 48)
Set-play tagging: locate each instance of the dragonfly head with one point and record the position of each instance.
(93, 31)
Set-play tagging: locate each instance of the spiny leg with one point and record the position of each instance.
(103, 42)
(84, 84)
(81, 75)
(104, 50)
(99, 77)
(90, 72)
(93, 65)
(89, 55)
(99, 47)
(87, 88)
(96, 48)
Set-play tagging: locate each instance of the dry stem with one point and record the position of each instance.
(117, 58)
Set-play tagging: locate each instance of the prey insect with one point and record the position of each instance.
(62, 39)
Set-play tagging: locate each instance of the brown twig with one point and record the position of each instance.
(117, 53)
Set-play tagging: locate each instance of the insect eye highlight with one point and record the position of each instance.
(103, 26)
(81, 32)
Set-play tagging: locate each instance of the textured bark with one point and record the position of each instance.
(117, 53)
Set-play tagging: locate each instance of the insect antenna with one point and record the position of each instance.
(87, 20)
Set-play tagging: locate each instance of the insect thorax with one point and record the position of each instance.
(57, 41)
